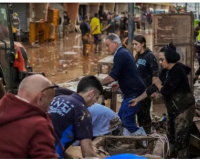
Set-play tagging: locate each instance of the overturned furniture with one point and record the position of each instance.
(105, 146)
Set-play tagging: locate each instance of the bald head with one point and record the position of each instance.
(34, 84)
(31, 89)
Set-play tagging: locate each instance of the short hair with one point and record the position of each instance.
(96, 14)
(114, 38)
(88, 82)
(85, 17)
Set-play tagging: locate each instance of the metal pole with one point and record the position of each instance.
(195, 6)
(131, 26)
(185, 7)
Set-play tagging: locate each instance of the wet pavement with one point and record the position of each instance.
(63, 60)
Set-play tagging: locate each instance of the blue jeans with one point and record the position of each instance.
(127, 115)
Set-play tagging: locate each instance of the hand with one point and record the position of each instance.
(133, 102)
(115, 86)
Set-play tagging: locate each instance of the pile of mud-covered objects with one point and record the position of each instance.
(154, 146)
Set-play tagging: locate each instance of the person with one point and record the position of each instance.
(197, 73)
(25, 128)
(149, 17)
(16, 25)
(71, 119)
(66, 25)
(110, 28)
(174, 86)
(85, 31)
(143, 20)
(104, 121)
(16, 20)
(124, 71)
(123, 27)
(95, 31)
(148, 68)
(196, 31)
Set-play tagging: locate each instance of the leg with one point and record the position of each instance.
(171, 135)
(144, 116)
(95, 42)
(198, 51)
(84, 45)
(127, 115)
(183, 123)
(99, 42)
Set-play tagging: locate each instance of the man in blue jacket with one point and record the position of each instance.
(124, 71)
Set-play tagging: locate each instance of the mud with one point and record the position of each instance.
(122, 144)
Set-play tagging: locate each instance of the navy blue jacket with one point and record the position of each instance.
(124, 71)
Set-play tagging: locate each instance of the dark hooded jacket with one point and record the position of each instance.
(176, 89)
(25, 130)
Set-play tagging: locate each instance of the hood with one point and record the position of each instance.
(186, 68)
(147, 51)
(13, 109)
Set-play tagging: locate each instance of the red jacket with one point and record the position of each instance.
(25, 130)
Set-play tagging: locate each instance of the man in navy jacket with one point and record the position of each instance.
(124, 71)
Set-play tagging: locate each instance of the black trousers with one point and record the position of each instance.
(143, 115)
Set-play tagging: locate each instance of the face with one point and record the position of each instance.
(45, 98)
(163, 61)
(111, 46)
(138, 47)
(108, 17)
(92, 97)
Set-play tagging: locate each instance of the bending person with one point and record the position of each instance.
(174, 86)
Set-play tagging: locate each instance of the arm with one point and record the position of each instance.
(135, 101)
(83, 130)
(94, 28)
(153, 65)
(151, 89)
(106, 27)
(42, 144)
(170, 83)
(107, 80)
(116, 70)
(87, 149)
(153, 79)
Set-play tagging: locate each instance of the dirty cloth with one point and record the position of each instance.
(148, 68)
(104, 120)
(26, 130)
(179, 102)
(179, 131)
(71, 119)
(124, 71)
(127, 115)
(144, 115)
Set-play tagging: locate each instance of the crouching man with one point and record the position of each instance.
(71, 119)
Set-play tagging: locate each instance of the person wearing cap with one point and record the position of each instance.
(180, 103)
